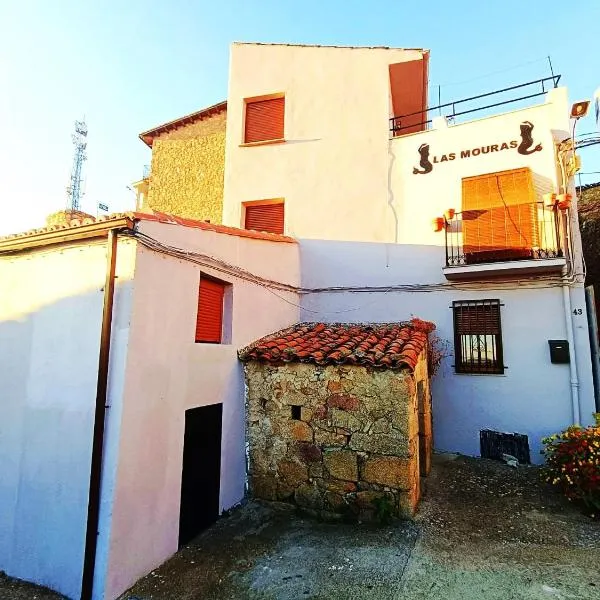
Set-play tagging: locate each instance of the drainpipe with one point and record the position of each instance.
(572, 355)
(93, 513)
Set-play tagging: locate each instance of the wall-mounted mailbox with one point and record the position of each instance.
(559, 352)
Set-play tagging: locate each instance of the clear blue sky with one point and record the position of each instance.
(130, 65)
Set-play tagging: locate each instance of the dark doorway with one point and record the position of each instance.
(201, 471)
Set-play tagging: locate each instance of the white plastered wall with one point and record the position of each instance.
(168, 373)
(332, 170)
(533, 396)
(50, 320)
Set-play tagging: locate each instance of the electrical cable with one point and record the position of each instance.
(271, 285)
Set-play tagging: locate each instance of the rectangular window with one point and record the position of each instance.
(264, 120)
(499, 216)
(265, 217)
(477, 336)
(209, 320)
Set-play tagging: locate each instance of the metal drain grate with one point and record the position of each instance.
(496, 443)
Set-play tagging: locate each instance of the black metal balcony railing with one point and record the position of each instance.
(520, 232)
(421, 119)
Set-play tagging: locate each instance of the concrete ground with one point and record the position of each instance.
(484, 531)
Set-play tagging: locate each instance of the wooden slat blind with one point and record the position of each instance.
(265, 217)
(264, 120)
(499, 214)
(209, 321)
(477, 318)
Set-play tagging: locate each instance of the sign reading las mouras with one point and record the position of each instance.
(523, 147)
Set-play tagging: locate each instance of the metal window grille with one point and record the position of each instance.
(477, 336)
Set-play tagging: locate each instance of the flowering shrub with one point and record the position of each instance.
(573, 463)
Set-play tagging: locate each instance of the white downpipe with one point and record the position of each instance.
(572, 354)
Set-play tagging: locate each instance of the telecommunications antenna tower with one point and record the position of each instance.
(74, 189)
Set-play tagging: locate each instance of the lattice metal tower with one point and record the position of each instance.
(74, 191)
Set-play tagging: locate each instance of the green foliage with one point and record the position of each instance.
(384, 509)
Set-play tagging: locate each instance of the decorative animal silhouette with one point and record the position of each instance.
(527, 139)
(426, 166)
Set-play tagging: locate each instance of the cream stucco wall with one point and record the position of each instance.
(50, 318)
(332, 169)
(188, 164)
(168, 373)
(418, 198)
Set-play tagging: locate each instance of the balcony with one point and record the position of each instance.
(460, 109)
(503, 241)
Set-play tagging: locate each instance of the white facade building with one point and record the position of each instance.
(310, 154)
(50, 339)
(361, 198)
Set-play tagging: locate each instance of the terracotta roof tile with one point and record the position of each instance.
(156, 217)
(247, 233)
(385, 345)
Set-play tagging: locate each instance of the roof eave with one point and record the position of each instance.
(63, 235)
(148, 136)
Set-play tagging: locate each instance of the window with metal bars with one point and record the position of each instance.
(477, 336)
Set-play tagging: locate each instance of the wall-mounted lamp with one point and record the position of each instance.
(579, 109)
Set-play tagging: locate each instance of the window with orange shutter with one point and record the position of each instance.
(264, 120)
(209, 320)
(265, 217)
(499, 216)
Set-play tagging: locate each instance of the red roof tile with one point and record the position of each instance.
(247, 233)
(387, 345)
(75, 224)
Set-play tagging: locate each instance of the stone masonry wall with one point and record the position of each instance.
(187, 174)
(335, 439)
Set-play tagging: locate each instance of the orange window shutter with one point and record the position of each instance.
(265, 217)
(209, 322)
(264, 120)
(499, 214)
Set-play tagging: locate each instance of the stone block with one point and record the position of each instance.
(300, 431)
(315, 470)
(369, 498)
(320, 412)
(306, 414)
(341, 418)
(399, 473)
(381, 426)
(308, 496)
(341, 464)
(408, 501)
(334, 502)
(324, 437)
(264, 487)
(343, 401)
(381, 443)
(292, 472)
(308, 453)
(334, 386)
(334, 485)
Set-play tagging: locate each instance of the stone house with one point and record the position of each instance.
(188, 165)
(339, 417)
